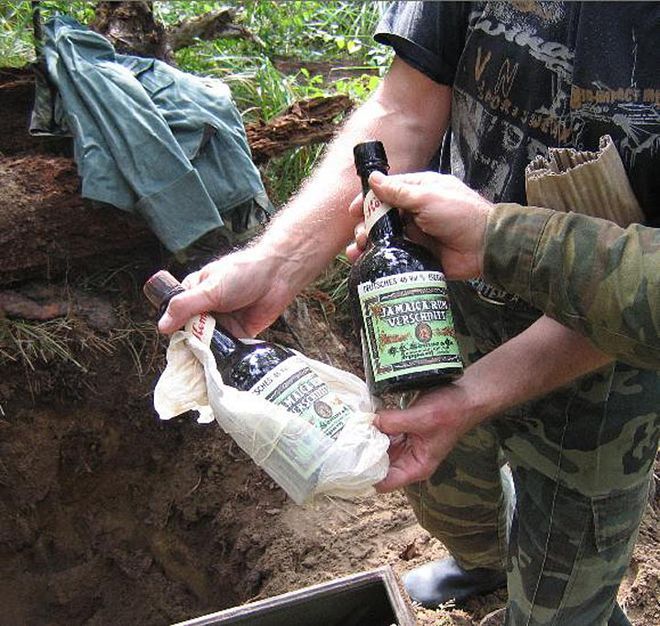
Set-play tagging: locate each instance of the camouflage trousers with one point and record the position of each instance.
(554, 490)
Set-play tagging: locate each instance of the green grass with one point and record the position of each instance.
(33, 343)
(16, 40)
(16, 45)
(335, 34)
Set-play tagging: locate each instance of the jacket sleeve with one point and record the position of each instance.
(587, 273)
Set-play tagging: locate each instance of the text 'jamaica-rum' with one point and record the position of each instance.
(399, 298)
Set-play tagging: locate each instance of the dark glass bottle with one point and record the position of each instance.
(266, 369)
(297, 448)
(399, 298)
(241, 365)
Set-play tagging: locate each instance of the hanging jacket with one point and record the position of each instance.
(148, 138)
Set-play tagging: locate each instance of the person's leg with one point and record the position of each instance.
(464, 503)
(581, 461)
(467, 503)
(564, 568)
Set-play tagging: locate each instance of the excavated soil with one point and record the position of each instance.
(109, 516)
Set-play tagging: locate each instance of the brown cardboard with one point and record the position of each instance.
(591, 183)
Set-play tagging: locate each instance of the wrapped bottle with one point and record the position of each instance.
(290, 420)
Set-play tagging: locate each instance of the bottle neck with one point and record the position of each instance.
(386, 225)
(223, 343)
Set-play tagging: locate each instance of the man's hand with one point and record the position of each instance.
(451, 216)
(249, 288)
(423, 435)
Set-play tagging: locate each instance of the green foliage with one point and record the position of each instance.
(303, 36)
(16, 39)
(15, 36)
(312, 29)
(334, 280)
(287, 172)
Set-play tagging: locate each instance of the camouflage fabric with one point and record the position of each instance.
(468, 502)
(611, 295)
(580, 459)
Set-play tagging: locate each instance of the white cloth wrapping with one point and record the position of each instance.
(345, 466)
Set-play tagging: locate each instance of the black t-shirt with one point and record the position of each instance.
(531, 75)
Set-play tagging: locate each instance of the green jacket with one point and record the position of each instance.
(589, 274)
(148, 138)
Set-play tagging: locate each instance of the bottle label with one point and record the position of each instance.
(202, 327)
(294, 386)
(373, 209)
(408, 324)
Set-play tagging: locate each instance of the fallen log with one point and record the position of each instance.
(217, 24)
(40, 302)
(303, 123)
(132, 28)
(46, 228)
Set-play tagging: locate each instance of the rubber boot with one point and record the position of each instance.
(437, 582)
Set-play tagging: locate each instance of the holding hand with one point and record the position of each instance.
(248, 288)
(450, 214)
(424, 434)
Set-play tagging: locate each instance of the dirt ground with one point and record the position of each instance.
(109, 516)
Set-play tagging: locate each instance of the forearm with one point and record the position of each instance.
(589, 274)
(315, 224)
(541, 359)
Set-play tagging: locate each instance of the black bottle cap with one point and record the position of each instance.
(370, 155)
(161, 287)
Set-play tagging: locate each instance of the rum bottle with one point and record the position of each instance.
(399, 298)
(280, 376)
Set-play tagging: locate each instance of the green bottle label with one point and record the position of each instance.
(294, 386)
(408, 324)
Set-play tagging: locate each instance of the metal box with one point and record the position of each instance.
(370, 598)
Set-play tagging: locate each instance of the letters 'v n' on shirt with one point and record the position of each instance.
(528, 76)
